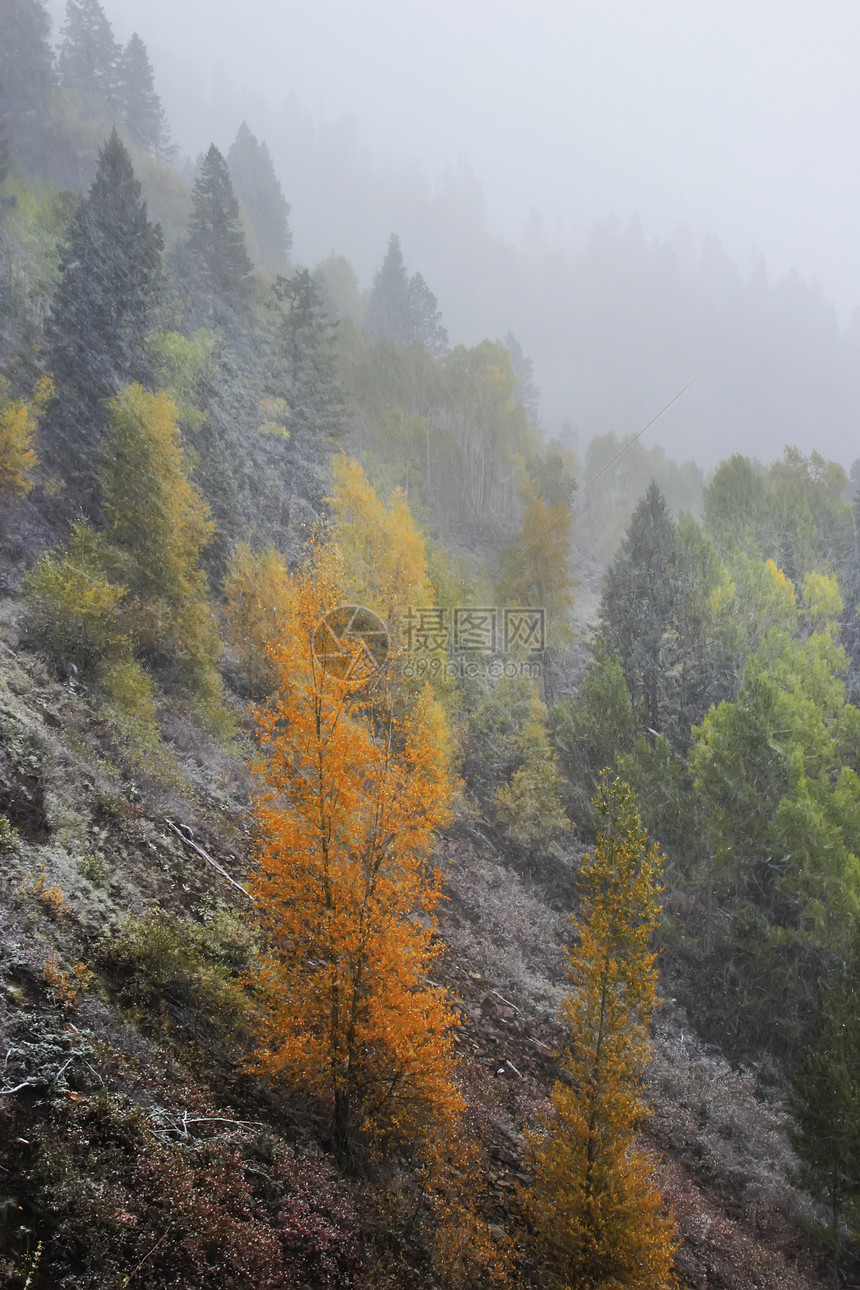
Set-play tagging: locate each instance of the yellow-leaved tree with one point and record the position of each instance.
(350, 792)
(257, 597)
(383, 550)
(157, 526)
(597, 1214)
(18, 420)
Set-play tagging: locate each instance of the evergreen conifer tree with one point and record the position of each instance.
(303, 358)
(638, 596)
(89, 55)
(109, 277)
(424, 320)
(258, 189)
(217, 242)
(825, 1101)
(142, 113)
(404, 309)
(388, 311)
(26, 70)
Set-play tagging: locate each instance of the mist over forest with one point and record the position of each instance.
(620, 305)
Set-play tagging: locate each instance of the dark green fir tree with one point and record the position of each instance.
(142, 113)
(304, 361)
(825, 1102)
(110, 268)
(217, 244)
(639, 593)
(258, 189)
(89, 55)
(26, 73)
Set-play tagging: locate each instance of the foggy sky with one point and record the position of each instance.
(738, 117)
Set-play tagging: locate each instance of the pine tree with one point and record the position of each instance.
(142, 113)
(388, 311)
(89, 55)
(596, 1212)
(26, 71)
(825, 1102)
(424, 321)
(404, 309)
(639, 592)
(259, 190)
(109, 279)
(304, 359)
(346, 892)
(217, 243)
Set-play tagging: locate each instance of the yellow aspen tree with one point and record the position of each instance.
(385, 558)
(257, 597)
(597, 1215)
(18, 420)
(350, 795)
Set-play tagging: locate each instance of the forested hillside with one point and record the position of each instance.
(430, 848)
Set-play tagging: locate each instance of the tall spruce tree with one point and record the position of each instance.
(825, 1102)
(259, 190)
(109, 277)
(404, 309)
(89, 55)
(217, 243)
(26, 71)
(638, 596)
(388, 311)
(142, 113)
(304, 362)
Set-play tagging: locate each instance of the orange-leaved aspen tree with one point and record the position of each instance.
(351, 791)
(598, 1217)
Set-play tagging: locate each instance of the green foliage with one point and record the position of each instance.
(73, 608)
(639, 594)
(156, 527)
(89, 56)
(592, 731)
(825, 1102)
(303, 359)
(142, 113)
(217, 243)
(663, 789)
(192, 968)
(109, 276)
(404, 310)
(793, 513)
(529, 806)
(258, 189)
(26, 73)
(180, 365)
(10, 841)
(780, 815)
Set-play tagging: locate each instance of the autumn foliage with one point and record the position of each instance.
(350, 794)
(598, 1216)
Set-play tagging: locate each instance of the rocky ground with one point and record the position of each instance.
(105, 830)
